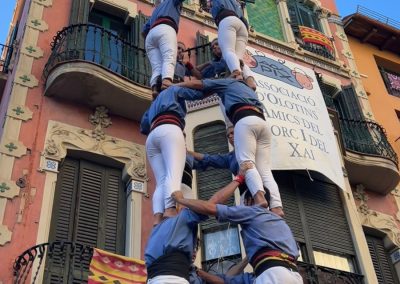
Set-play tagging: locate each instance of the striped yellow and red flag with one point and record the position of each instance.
(314, 36)
(107, 267)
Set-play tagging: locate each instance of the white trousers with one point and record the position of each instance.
(279, 275)
(253, 144)
(232, 39)
(161, 48)
(166, 151)
(167, 279)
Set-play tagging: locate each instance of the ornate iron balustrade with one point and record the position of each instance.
(92, 43)
(64, 262)
(367, 137)
(5, 57)
(315, 274)
(318, 49)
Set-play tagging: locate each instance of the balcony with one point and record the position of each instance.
(67, 262)
(92, 66)
(57, 262)
(392, 81)
(5, 58)
(315, 274)
(369, 159)
(314, 41)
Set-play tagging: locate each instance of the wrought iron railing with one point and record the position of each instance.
(367, 137)
(318, 49)
(315, 274)
(378, 17)
(5, 57)
(62, 262)
(92, 43)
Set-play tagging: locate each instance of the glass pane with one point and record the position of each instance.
(335, 261)
(221, 243)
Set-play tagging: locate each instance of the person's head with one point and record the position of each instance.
(230, 135)
(215, 49)
(181, 51)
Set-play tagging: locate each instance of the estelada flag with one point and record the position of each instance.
(107, 267)
(314, 36)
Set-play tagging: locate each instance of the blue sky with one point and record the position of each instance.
(389, 8)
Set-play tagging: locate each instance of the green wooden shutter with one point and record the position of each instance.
(381, 260)
(211, 139)
(79, 12)
(347, 104)
(326, 221)
(203, 54)
(138, 61)
(89, 209)
(290, 203)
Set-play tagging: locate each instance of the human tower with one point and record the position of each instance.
(171, 248)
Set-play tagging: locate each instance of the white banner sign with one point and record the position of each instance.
(303, 136)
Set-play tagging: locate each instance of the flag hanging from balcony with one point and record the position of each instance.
(107, 267)
(313, 36)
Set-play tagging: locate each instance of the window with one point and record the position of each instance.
(217, 258)
(308, 31)
(90, 209)
(391, 80)
(382, 263)
(315, 214)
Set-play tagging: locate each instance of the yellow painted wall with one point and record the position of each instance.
(383, 105)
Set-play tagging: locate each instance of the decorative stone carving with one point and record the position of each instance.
(100, 120)
(377, 220)
(46, 3)
(5, 235)
(19, 112)
(27, 80)
(8, 189)
(61, 137)
(33, 51)
(12, 148)
(37, 24)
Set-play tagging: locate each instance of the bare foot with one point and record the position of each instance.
(278, 211)
(166, 82)
(259, 199)
(237, 74)
(251, 83)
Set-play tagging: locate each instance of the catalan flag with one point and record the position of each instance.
(313, 36)
(107, 267)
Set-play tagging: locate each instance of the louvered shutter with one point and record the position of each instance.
(326, 220)
(381, 261)
(90, 210)
(290, 203)
(211, 139)
(348, 105)
(293, 14)
(62, 220)
(203, 54)
(79, 12)
(138, 61)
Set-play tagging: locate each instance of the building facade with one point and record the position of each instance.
(73, 165)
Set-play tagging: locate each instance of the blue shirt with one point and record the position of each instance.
(171, 100)
(214, 69)
(193, 277)
(176, 233)
(166, 9)
(243, 278)
(232, 5)
(260, 229)
(219, 161)
(232, 92)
